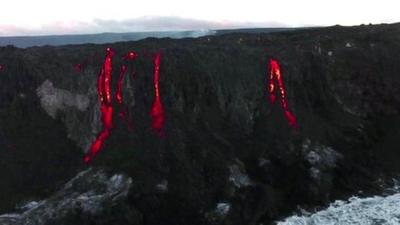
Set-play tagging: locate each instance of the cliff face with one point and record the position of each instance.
(227, 155)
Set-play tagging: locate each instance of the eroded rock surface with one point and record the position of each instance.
(88, 193)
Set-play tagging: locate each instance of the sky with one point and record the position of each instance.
(43, 17)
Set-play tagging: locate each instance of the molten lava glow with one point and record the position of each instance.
(130, 56)
(124, 113)
(80, 67)
(157, 111)
(275, 77)
(108, 76)
(120, 96)
(106, 107)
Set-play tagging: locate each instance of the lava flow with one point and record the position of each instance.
(157, 111)
(275, 76)
(120, 96)
(106, 106)
(124, 113)
(132, 56)
(80, 67)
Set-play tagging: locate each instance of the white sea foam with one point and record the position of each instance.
(376, 210)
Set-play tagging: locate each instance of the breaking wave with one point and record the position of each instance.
(377, 210)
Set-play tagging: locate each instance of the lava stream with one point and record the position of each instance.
(120, 96)
(106, 106)
(124, 113)
(157, 111)
(275, 77)
(80, 67)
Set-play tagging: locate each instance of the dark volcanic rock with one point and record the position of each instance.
(228, 155)
(83, 200)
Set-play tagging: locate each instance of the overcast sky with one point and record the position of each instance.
(32, 17)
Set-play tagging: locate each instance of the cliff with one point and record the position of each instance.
(227, 155)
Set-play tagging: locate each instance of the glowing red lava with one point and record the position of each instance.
(120, 96)
(275, 76)
(132, 56)
(80, 67)
(106, 106)
(124, 113)
(157, 111)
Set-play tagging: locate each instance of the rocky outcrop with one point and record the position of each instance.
(73, 108)
(86, 196)
(53, 99)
